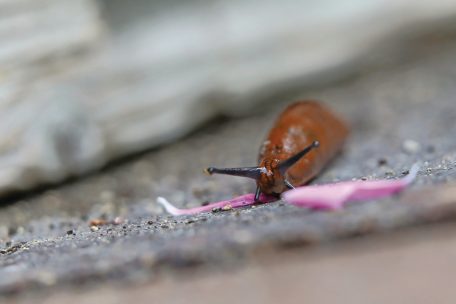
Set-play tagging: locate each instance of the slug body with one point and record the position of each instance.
(288, 158)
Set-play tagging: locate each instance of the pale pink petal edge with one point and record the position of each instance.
(329, 196)
(335, 196)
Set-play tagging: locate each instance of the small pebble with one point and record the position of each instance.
(70, 232)
(382, 162)
(98, 222)
(118, 220)
(227, 207)
(389, 173)
(216, 209)
(411, 146)
(94, 228)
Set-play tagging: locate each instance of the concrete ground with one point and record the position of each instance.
(400, 114)
(413, 266)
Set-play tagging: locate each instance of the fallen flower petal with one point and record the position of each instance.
(240, 201)
(334, 196)
(329, 196)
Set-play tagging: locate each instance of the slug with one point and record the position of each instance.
(288, 157)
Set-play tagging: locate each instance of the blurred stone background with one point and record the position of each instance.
(85, 82)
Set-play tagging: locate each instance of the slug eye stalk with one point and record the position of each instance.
(250, 172)
(286, 164)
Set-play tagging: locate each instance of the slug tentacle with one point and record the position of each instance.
(288, 184)
(257, 194)
(250, 172)
(286, 164)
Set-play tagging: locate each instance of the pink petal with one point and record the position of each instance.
(334, 196)
(330, 196)
(240, 201)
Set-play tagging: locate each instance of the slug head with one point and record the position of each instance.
(269, 175)
(271, 180)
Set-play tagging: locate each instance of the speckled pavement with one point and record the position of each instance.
(400, 115)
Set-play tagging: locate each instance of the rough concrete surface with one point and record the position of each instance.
(400, 115)
(349, 272)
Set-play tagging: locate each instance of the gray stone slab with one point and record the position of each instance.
(399, 115)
